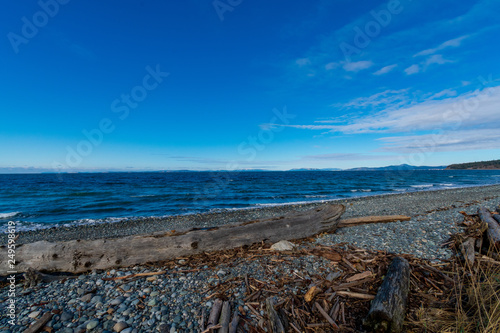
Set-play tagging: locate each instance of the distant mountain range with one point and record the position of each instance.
(486, 165)
(386, 168)
(399, 167)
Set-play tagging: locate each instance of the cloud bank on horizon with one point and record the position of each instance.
(249, 84)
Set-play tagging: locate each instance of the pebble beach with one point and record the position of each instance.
(174, 300)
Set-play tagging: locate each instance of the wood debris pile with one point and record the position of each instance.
(334, 299)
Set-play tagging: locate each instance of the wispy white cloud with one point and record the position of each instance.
(303, 62)
(457, 140)
(344, 157)
(437, 59)
(449, 43)
(413, 69)
(443, 93)
(332, 65)
(356, 66)
(477, 109)
(392, 98)
(385, 69)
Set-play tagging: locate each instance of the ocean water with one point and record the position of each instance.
(45, 200)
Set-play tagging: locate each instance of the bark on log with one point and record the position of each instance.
(493, 231)
(83, 255)
(497, 217)
(225, 317)
(372, 219)
(387, 310)
(274, 319)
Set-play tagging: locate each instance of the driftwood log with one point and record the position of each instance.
(497, 217)
(78, 256)
(225, 317)
(274, 320)
(387, 310)
(213, 319)
(372, 219)
(493, 231)
(467, 248)
(233, 327)
(32, 278)
(37, 326)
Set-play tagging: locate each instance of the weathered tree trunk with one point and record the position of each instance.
(84, 255)
(387, 311)
(372, 219)
(493, 231)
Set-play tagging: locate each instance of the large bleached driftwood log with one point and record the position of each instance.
(83, 255)
(387, 311)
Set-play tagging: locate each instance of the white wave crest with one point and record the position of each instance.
(7, 215)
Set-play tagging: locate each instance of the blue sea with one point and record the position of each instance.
(45, 200)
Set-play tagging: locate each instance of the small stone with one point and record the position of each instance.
(86, 298)
(92, 324)
(127, 330)
(152, 302)
(151, 278)
(66, 316)
(120, 326)
(283, 246)
(34, 314)
(117, 300)
(221, 272)
(163, 328)
(96, 299)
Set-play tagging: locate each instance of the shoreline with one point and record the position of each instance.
(413, 204)
(173, 296)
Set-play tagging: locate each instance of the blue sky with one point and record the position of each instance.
(230, 84)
